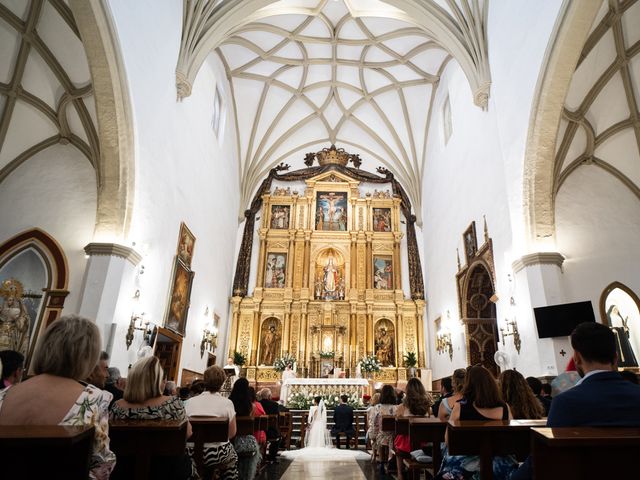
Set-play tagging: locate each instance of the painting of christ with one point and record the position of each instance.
(331, 211)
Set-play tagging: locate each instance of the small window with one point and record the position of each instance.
(447, 127)
(218, 114)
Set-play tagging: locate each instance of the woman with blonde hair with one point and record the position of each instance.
(519, 397)
(143, 400)
(447, 404)
(66, 354)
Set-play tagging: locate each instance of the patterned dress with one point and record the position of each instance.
(382, 438)
(172, 409)
(91, 408)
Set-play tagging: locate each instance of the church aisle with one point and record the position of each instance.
(312, 469)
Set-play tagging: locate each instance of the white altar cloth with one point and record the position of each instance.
(320, 382)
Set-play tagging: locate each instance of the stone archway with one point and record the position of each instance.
(115, 127)
(561, 58)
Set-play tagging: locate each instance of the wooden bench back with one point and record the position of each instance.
(573, 453)
(144, 439)
(206, 430)
(38, 451)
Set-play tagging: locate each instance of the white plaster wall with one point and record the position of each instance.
(54, 191)
(183, 173)
(598, 230)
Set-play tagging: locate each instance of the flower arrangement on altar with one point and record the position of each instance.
(304, 399)
(327, 354)
(369, 364)
(287, 360)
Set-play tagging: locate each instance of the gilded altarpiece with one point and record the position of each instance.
(334, 286)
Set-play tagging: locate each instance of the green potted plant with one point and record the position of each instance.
(240, 360)
(411, 362)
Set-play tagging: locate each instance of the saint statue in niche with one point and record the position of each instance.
(14, 318)
(620, 328)
(384, 347)
(270, 346)
(331, 279)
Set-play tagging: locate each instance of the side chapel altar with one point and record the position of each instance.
(328, 288)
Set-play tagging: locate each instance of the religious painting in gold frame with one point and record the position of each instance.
(331, 211)
(186, 242)
(280, 216)
(179, 297)
(383, 272)
(381, 220)
(275, 270)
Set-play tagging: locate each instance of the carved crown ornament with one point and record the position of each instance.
(333, 156)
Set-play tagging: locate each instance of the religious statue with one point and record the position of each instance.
(270, 346)
(331, 278)
(14, 318)
(384, 347)
(620, 327)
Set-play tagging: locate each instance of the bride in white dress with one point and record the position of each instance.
(318, 436)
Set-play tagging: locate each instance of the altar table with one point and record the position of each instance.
(323, 386)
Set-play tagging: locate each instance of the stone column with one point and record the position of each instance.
(538, 283)
(107, 284)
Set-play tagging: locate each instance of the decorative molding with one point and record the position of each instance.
(539, 258)
(113, 250)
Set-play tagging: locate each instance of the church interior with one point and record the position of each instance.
(323, 198)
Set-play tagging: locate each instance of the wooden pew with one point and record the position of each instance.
(285, 425)
(576, 453)
(421, 430)
(491, 438)
(206, 430)
(43, 451)
(141, 440)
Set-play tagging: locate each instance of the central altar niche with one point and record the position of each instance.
(328, 288)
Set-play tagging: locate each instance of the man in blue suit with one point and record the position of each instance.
(601, 385)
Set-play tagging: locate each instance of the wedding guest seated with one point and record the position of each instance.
(481, 401)
(66, 354)
(446, 390)
(261, 435)
(217, 455)
(197, 387)
(447, 404)
(536, 387)
(370, 435)
(519, 397)
(11, 367)
(595, 359)
(143, 400)
(114, 385)
(245, 445)
(100, 372)
(271, 408)
(545, 392)
(417, 403)
(343, 421)
(171, 389)
(384, 440)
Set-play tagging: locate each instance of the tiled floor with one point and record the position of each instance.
(358, 467)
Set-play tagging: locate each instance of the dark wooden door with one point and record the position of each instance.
(168, 348)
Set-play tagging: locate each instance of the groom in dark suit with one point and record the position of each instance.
(343, 421)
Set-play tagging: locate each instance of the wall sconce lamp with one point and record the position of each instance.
(137, 323)
(512, 330)
(443, 343)
(209, 339)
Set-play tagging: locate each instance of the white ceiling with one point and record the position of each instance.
(332, 71)
(46, 96)
(601, 120)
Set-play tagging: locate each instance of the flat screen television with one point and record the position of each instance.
(560, 320)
